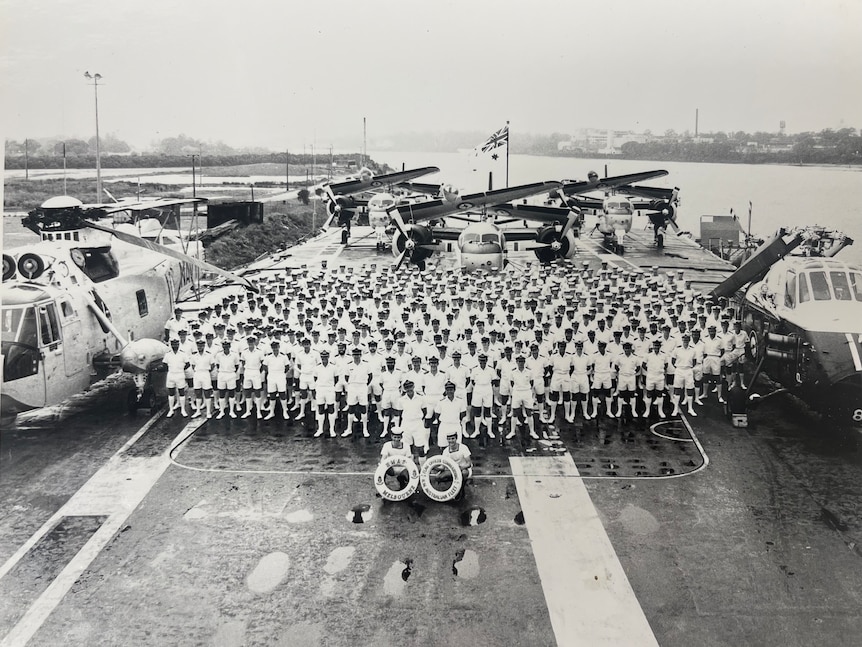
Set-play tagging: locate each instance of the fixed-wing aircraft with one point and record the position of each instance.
(483, 243)
(803, 313)
(85, 300)
(617, 209)
(340, 201)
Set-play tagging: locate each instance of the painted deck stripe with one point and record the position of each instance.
(589, 598)
(854, 352)
(116, 489)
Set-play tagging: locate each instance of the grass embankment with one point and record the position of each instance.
(278, 231)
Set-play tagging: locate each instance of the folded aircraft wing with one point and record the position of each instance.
(535, 212)
(366, 181)
(421, 187)
(653, 192)
(608, 183)
(453, 203)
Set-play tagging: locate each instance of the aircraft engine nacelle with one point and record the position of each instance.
(29, 266)
(558, 246)
(413, 236)
(137, 356)
(340, 203)
(8, 267)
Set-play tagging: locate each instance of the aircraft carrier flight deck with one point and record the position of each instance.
(148, 530)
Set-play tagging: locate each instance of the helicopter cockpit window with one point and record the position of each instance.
(48, 324)
(19, 325)
(856, 285)
(20, 341)
(490, 238)
(790, 290)
(98, 263)
(804, 293)
(471, 238)
(840, 286)
(820, 286)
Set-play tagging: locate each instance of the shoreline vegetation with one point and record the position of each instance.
(826, 147)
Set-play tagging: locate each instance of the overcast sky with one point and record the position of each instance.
(276, 73)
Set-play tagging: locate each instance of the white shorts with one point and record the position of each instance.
(580, 384)
(483, 397)
(415, 433)
(505, 386)
(711, 365)
(561, 383)
(626, 383)
(522, 398)
(357, 394)
(602, 381)
(325, 395)
(389, 399)
(306, 382)
(655, 382)
(252, 380)
(175, 381)
(202, 380)
(684, 379)
(226, 381)
(276, 383)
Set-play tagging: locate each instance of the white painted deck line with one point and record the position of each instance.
(115, 490)
(589, 597)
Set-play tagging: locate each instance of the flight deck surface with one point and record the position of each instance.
(115, 529)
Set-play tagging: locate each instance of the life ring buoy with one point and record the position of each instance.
(380, 478)
(431, 465)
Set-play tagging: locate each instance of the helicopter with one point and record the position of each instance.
(87, 300)
(802, 309)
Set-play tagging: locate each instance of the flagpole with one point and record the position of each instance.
(508, 140)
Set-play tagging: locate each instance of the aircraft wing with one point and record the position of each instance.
(652, 192)
(173, 253)
(367, 181)
(608, 183)
(421, 187)
(452, 203)
(145, 205)
(534, 212)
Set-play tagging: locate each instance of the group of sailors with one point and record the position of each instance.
(439, 353)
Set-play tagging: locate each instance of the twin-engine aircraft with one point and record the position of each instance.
(617, 209)
(803, 313)
(341, 203)
(88, 299)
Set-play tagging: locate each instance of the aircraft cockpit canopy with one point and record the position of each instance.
(29, 322)
(475, 237)
(822, 283)
(618, 206)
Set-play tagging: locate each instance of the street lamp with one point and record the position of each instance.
(95, 78)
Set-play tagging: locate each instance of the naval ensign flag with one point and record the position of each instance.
(493, 153)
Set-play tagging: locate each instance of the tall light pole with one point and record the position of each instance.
(96, 78)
